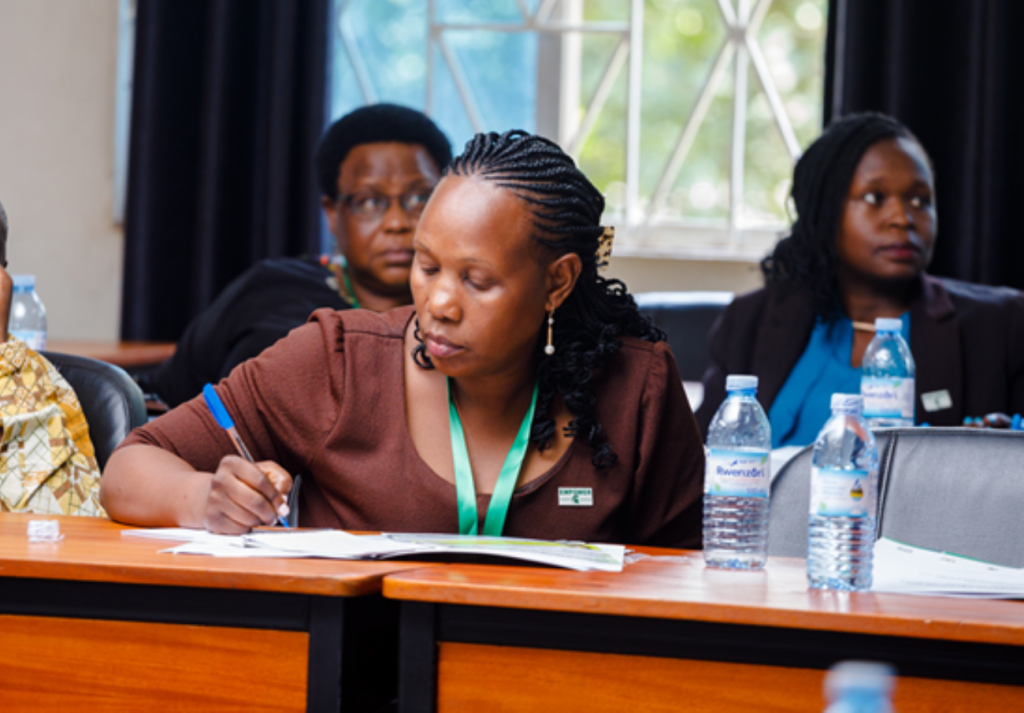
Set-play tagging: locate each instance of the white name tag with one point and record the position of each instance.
(936, 400)
(576, 497)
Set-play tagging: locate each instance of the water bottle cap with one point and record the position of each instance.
(847, 403)
(740, 382)
(26, 282)
(888, 324)
(859, 675)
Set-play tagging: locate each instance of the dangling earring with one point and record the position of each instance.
(550, 348)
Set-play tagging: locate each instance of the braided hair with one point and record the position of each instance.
(821, 181)
(566, 219)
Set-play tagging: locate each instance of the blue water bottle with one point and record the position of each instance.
(844, 495)
(887, 377)
(737, 479)
(859, 687)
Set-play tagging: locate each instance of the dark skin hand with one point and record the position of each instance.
(379, 249)
(886, 234)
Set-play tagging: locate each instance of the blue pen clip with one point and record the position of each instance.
(223, 419)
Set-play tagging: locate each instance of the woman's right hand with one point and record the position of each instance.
(244, 495)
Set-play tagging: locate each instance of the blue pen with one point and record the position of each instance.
(220, 415)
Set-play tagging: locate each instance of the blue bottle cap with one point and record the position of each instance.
(1015, 422)
(740, 382)
(888, 324)
(24, 282)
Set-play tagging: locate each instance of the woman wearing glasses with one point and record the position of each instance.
(522, 395)
(375, 168)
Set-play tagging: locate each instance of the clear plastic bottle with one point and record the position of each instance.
(737, 479)
(28, 315)
(887, 377)
(859, 687)
(844, 495)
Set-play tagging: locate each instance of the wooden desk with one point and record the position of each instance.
(102, 622)
(668, 636)
(127, 355)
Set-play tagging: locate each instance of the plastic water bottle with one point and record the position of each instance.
(887, 377)
(28, 316)
(737, 479)
(859, 687)
(844, 494)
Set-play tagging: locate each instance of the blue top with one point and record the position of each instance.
(804, 402)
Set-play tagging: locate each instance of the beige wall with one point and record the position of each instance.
(57, 72)
(663, 275)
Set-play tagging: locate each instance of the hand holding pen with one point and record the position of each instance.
(243, 494)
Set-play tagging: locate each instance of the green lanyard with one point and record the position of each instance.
(348, 283)
(465, 490)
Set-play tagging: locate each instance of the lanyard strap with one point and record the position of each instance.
(465, 490)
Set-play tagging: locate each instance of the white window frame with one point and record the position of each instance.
(642, 230)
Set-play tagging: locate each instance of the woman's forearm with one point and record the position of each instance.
(146, 485)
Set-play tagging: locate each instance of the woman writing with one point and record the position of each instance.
(865, 230)
(523, 394)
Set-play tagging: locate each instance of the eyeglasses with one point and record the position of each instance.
(369, 205)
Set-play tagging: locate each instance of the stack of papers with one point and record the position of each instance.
(338, 544)
(903, 569)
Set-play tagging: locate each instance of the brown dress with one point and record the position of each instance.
(328, 401)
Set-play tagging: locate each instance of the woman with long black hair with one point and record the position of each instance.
(523, 394)
(864, 233)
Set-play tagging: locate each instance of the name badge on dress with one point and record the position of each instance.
(936, 400)
(576, 497)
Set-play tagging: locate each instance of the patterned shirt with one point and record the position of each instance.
(47, 462)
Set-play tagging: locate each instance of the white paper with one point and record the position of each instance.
(903, 569)
(337, 544)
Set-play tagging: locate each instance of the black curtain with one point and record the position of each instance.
(228, 104)
(953, 71)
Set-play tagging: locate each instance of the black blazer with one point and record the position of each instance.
(966, 339)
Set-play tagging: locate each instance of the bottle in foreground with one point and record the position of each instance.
(887, 377)
(28, 316)
(859, 687)
(737, 479)
(844, 493)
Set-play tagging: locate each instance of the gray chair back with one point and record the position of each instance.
(957, 490)
(686, 317)
(111, 401)
(790, 501)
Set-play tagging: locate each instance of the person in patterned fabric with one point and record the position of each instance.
(47, 463)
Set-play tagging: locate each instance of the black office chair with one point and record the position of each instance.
(686, 317)
(111, 401)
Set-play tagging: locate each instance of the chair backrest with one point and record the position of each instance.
(686, 318)
(790, 500)
(955, 490)
(112, 402)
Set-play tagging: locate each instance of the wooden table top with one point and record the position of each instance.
(93, 549)
(682, 588)
(126, 355)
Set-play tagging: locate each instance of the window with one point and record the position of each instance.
(692, 139)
